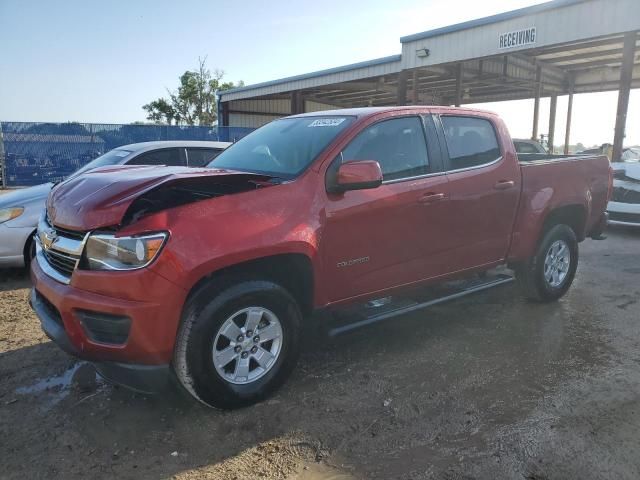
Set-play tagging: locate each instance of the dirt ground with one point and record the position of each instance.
(485, 387)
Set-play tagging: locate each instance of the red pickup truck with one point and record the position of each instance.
(209, 275)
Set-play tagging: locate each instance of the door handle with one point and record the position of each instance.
(504, 184)
(431, 197)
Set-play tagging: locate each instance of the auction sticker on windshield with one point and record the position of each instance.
(326, 122)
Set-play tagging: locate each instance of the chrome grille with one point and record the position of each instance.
(63, 232)
(58, 251)
(62, 262)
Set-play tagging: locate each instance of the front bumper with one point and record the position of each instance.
(141, 378)
(624, 214)
(151, 304)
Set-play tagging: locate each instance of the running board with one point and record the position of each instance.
(460, 289)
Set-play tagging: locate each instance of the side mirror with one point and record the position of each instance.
(358, 175)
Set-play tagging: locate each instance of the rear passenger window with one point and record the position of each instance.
(398, 145)
(199, 157)
(471, 141)
(168, 156)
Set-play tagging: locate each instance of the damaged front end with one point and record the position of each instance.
(84, 215)
(175, 194)
(113, 197)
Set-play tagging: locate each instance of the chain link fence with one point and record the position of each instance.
(34, 153)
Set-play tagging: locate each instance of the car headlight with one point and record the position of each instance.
(7, 214)
(108, 252)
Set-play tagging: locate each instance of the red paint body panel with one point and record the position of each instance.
(402, 233)
(153, 304)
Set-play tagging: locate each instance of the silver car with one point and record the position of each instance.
(20, 210)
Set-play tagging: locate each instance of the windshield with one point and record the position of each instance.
(283, 148)
(112, 157)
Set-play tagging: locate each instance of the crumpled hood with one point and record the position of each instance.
(101, 197)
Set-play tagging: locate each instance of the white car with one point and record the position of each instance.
(20, 210)
(624, 207)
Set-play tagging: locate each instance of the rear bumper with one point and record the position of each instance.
(624, 214)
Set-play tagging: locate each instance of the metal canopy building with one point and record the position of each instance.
(556, 48)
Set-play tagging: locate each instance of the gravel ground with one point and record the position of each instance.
(489, 386)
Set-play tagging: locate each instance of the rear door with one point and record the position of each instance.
(391, 235)
(484, 185)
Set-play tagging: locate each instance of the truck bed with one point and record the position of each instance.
(546, 157)
(577, 183)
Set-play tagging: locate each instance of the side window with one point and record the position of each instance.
(471, 141)
(168, 156)
(199, 157)
(398, 145)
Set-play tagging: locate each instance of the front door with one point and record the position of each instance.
(391, 235)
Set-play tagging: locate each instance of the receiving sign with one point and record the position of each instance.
(517, 38)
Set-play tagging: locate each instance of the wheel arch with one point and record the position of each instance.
(293, 271)
(572, 215)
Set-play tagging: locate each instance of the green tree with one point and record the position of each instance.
(194, 102)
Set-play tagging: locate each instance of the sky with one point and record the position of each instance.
(93, 61)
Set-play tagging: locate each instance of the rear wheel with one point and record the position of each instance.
(238, 344)
(548, 275)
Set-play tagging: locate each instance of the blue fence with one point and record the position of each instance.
(34, 153)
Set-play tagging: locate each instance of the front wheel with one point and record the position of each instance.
(236, 345)
(548, 275)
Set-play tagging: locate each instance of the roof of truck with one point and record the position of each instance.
(367, 111)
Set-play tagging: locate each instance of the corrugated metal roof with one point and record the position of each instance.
(319, 73)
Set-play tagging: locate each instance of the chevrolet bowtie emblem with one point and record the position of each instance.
(48, 238)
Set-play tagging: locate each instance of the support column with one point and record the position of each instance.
(552, 121)
(402, 88)
(567, 132)
(297, 102)
(623, 94)
(536, 103)
(459, 84)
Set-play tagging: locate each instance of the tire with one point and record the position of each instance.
(29, 251)
(202, 339)
(535, 280)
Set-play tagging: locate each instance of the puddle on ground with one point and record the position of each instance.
(316, 471)
(57, 388)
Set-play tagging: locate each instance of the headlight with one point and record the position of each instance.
(107, 252)
(7, 214)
